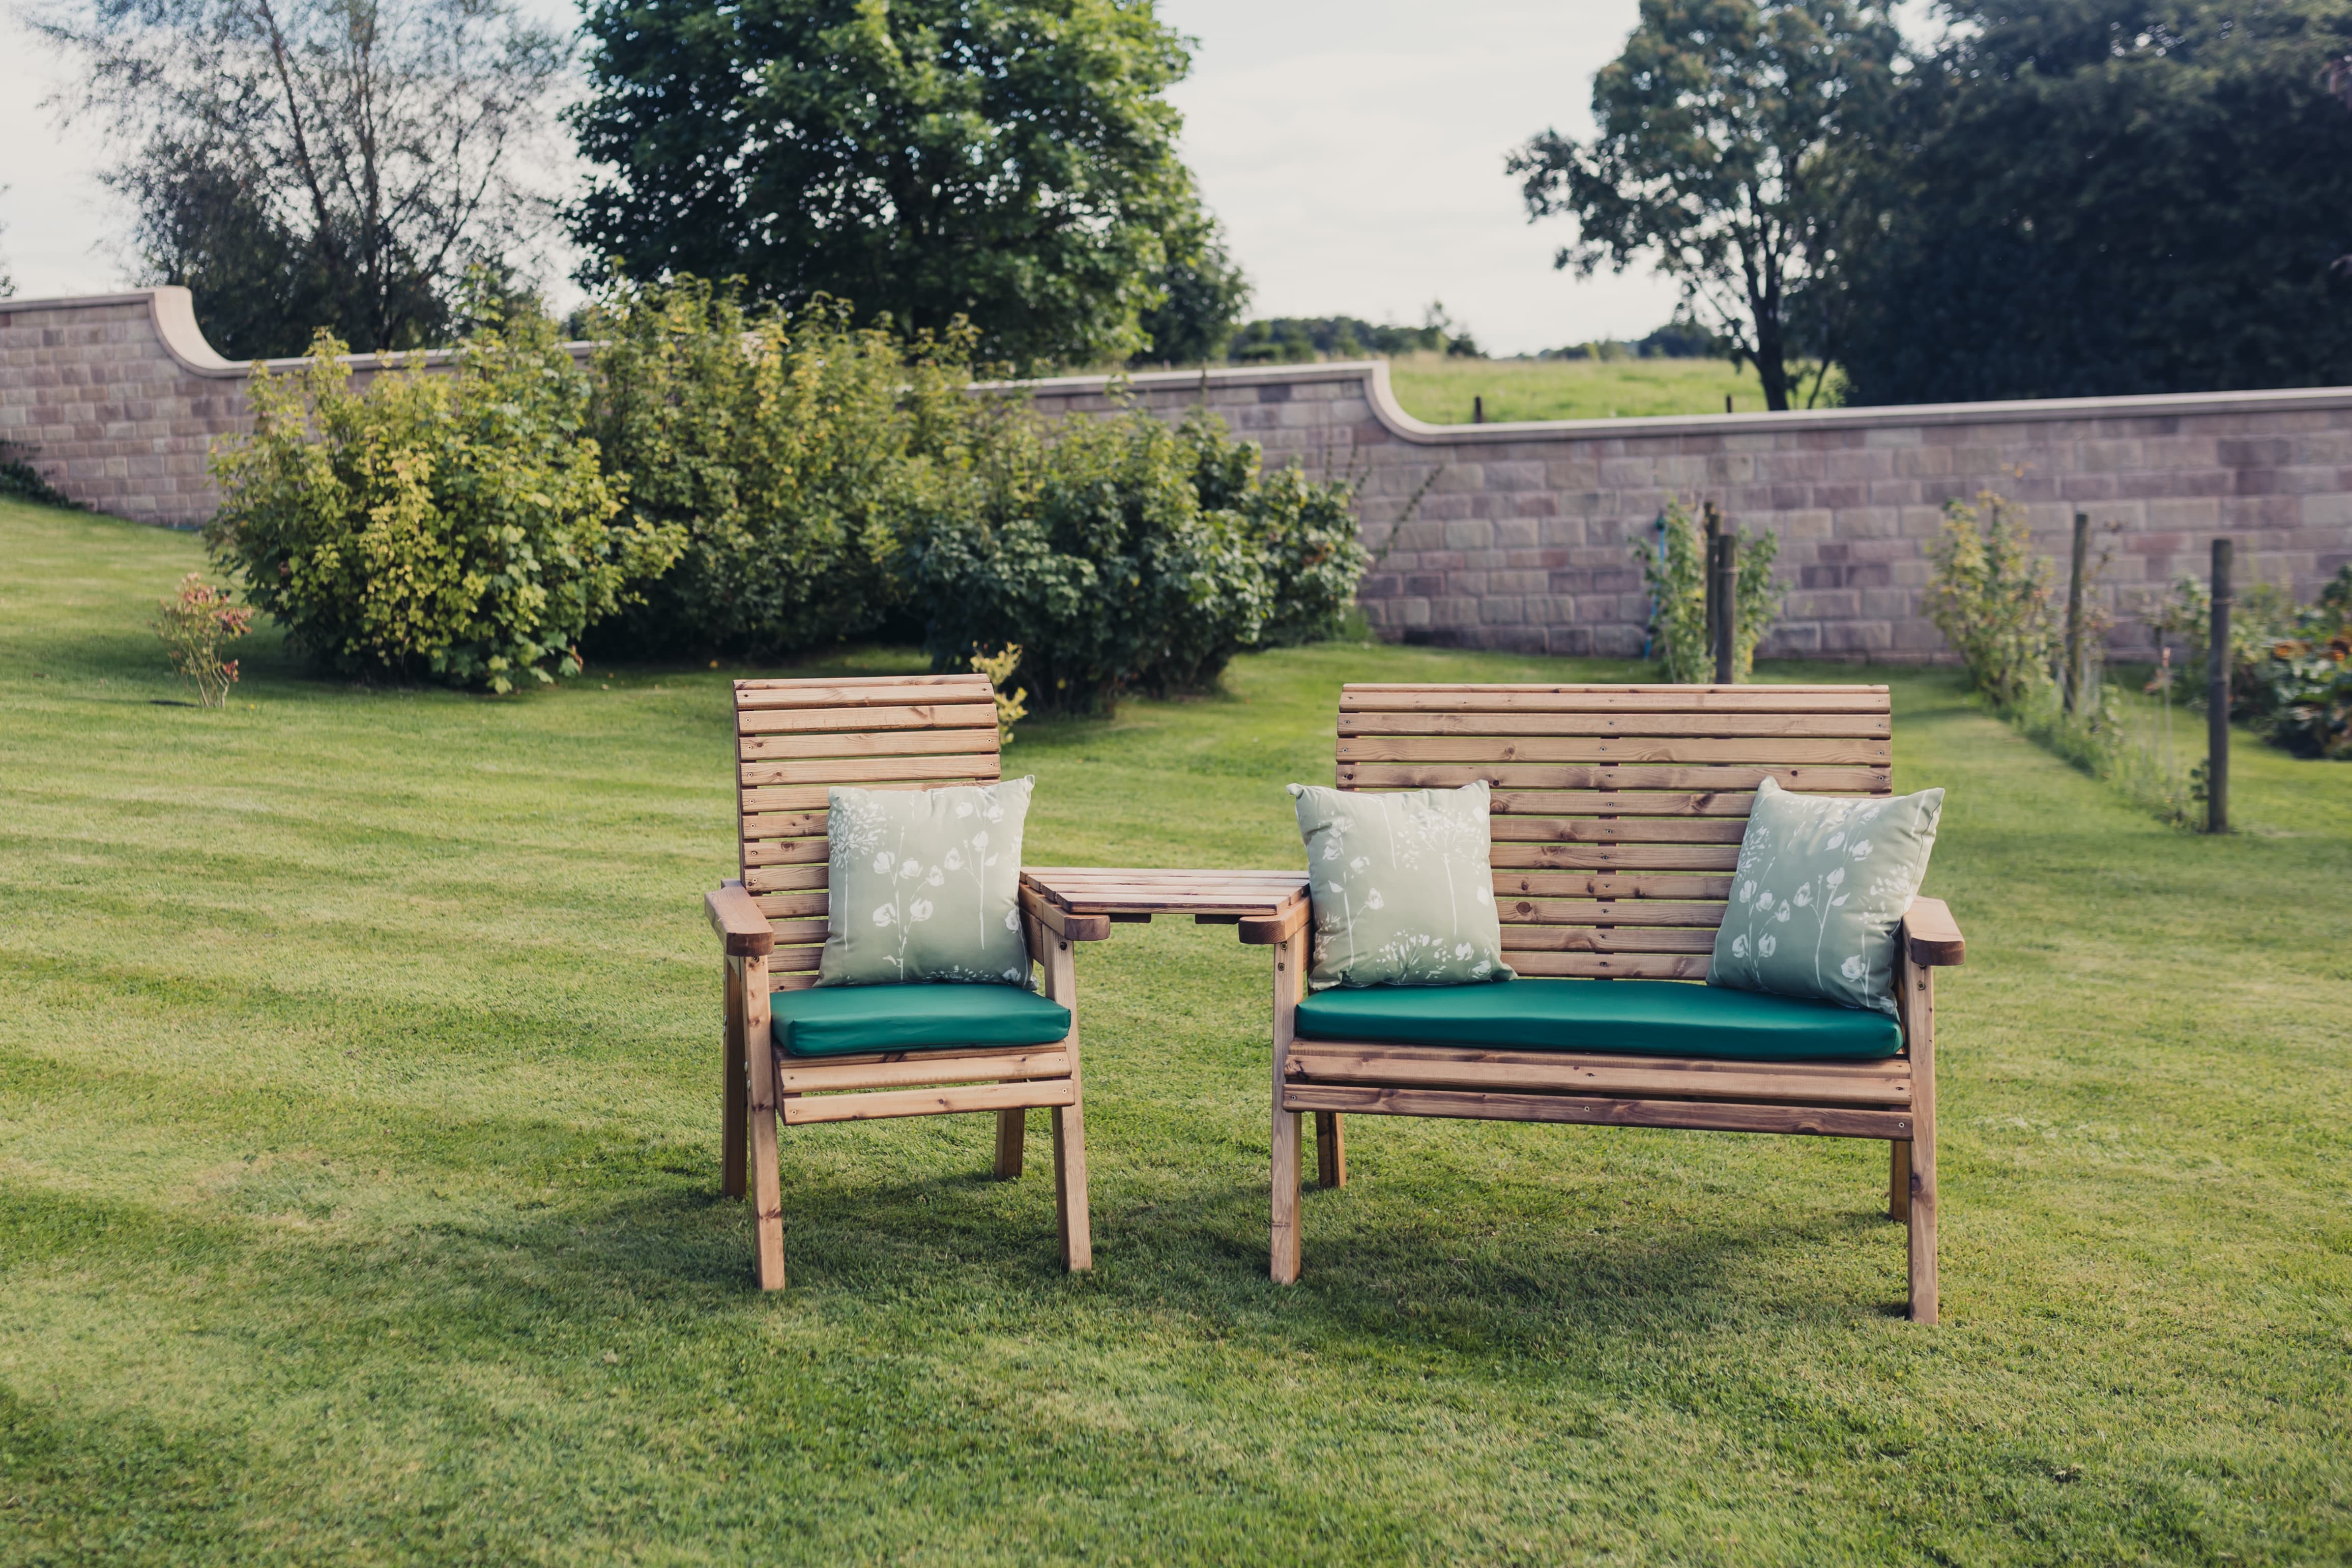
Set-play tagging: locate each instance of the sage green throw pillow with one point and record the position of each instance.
(1403, 888)
(1823, 882)
(924, 884)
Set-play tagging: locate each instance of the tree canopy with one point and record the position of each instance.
(1011, 161)
(307, 163)
(2092, 197)
(1733, 134)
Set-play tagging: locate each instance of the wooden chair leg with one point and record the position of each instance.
(1289, 959)
(760, 1090)
(1071, 1214)
(1012, 1134)
(1919, 996)
(1899, 1181)
(1330, 1150)
(734, 1129)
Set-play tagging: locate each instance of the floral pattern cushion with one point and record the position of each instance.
(1823, 882)
(924, 884)
(1403, 891)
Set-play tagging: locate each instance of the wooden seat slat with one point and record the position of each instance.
(1617, 885)
(1608, 857)
(1577, 936)
(1616, 830)
(783, 852)
(1626, 912)
(1572, 776)
(925, 773)
(784, 825)
(1506, 802)
(893, 691)
(810, 720)
(1853, 725)
(784, 878)
(797, 906)
(1701, 1115)
(1778, 750)
(1757, 700)
(832, 1074)
(805, 1110)
(887, 743)
(1331, 1062)
(1609, 965)
(767, 798)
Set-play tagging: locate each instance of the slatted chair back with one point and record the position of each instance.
(795, 739)
(1618, 810)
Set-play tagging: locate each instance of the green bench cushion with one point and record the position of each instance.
(859, 1020)
(1642, 1017)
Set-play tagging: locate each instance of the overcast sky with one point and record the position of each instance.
(1354, 150)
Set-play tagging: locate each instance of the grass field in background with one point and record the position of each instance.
(1439, 390)
(359, 1125)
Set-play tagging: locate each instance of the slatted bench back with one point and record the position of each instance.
(1618, 810)
(794, 739)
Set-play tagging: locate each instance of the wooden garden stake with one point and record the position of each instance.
(2073, 683)
(2217, 697)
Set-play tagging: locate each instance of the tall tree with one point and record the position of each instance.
(2095, 198)
(1733, 136)
(1203, 295)
(317, 163)
(1012, 161)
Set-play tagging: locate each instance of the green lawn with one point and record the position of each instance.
(359, 1116)
(1438, 389)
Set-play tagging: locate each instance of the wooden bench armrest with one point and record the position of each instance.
(1934, 939)
(1278, 926)
(1060, 920)
(735, 916)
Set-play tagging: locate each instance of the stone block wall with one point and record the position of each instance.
(1508, 536)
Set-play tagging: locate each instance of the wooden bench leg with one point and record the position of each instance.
(1289, 963)
(1012, 1133)
(1070, 1211)
(767, 1194)
(734, 1129)
(1899, 1181)
(1918, 995)
(1330, 1150)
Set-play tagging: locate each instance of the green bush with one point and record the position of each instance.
(1126, 554)
(1990, 599)
(2290, 667)
(454, 527)
(797, 455)
(1674, 568)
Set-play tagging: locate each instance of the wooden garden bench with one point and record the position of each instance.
(793, 740)
(1617, 816)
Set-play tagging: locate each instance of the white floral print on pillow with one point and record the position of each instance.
(1821, 883)
(925, 885)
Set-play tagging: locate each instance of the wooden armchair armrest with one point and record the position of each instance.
(741, 928)
(1280, 926)
(1933, 938)
(1058, 919)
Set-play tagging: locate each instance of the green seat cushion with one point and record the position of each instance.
(859, 1020)
(1642, 1017)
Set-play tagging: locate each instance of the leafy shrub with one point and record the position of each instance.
(453, 527)
(1674, 568)
(1011, 704)
(796, 457)
(1990, 599)
(2261, 615)
(2290, 667)
(1126, 554)
(21, 481)
(193, 622)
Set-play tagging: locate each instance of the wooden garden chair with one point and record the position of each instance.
(795, 739)
(1617, 816)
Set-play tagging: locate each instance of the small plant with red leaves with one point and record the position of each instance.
(194, 623)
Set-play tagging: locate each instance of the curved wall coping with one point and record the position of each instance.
(1373, 374)
(172, 309)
